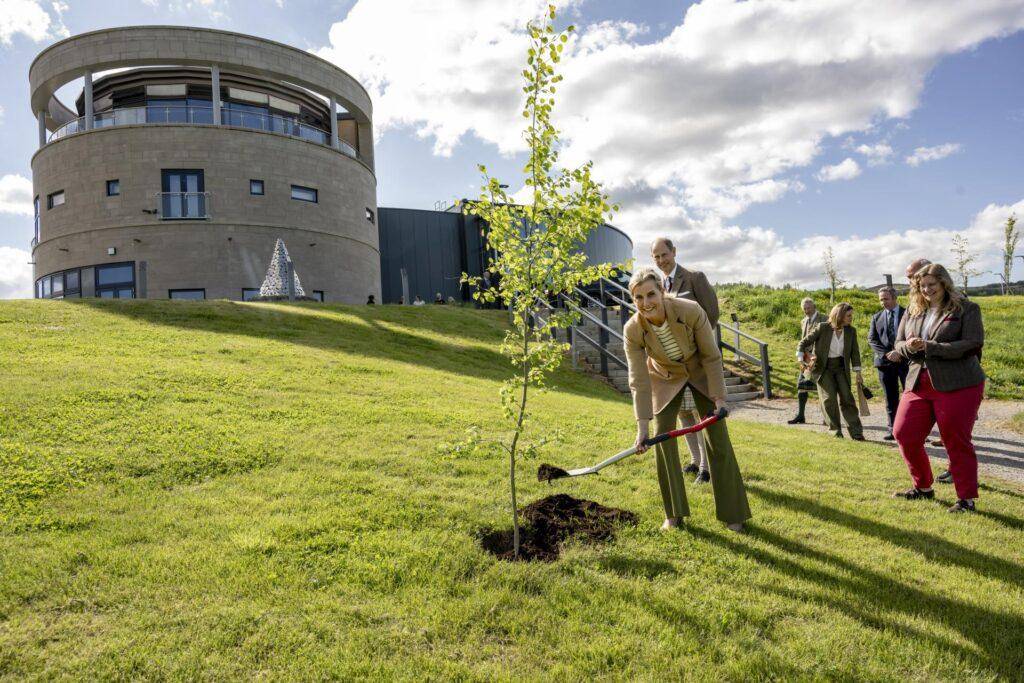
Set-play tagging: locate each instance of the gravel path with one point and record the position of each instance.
(1000, 451)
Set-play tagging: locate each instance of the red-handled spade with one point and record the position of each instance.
(548, 472)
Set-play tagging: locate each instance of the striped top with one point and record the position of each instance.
(668, 341)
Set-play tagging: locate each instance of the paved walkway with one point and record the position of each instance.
(1000, 451)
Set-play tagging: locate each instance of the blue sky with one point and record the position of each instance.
(755, 133)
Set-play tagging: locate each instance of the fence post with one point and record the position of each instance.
(766, 372)
(737, 351)
(603, 339)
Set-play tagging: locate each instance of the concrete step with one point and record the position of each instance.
(745, 396)
(738, 388)
(731, 379)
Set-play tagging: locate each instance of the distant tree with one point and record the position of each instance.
(535, 247)
(832, 273)
(1011, 235)
(963, 258)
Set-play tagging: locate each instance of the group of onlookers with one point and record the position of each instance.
(932, 349)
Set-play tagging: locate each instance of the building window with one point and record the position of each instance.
(55, 199)
(305, 194)
(116, 281)
(318, 295)
(256, 187)
(113, 188)
(248, 294)
(190, 294)
(182, 195)
(60, 285)
(35, 205)
(72, 282)
(369, 214)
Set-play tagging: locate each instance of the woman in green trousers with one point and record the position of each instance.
(670, 344)
(835, 353)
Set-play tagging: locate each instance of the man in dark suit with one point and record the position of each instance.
(681, 283)
(892, 368)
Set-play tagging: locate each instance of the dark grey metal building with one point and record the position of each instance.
(431, 250)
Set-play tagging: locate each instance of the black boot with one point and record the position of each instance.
(801, 397)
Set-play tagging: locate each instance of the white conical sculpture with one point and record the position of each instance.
(276, 282)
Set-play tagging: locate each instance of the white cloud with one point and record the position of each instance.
(15, 274)
(876, 154)
(923, 154)
(729, 253)
(844, 170)
(23, 16)
(16, 195)
(719, 113)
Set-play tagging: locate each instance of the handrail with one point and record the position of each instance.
(740, 332)
(594, 320)
(201, 115)
(183, 205)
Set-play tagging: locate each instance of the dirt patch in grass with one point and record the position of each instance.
(548, 522)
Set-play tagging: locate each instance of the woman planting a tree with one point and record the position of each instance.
(669, 344)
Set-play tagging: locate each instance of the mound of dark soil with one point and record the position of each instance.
(546, 523)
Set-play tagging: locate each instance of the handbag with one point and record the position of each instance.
(862, 400)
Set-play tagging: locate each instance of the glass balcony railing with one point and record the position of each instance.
(134, 116)
(184, 205)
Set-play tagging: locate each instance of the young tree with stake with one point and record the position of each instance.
(536, 247)
(832, 273)
(1011, 236)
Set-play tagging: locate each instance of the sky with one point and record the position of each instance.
(756, 134)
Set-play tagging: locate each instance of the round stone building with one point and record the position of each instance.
(178, 168)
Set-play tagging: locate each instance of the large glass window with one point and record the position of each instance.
(248, 294)
(116, 281)
(182, 194)
(72, 281)
(57, 284)
(55, 199)
(166, 111)
(113, 188)
(305, 194)
(246, 115)
(190, 294)
(200, 111)
(116, 274)
(64, 284)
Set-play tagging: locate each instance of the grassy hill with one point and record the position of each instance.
(774, 315)
(227, 490)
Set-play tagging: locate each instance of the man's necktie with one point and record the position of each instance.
(890, 328)
(668, 284)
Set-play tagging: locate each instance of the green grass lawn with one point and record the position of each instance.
(774, 316)
(226, 490)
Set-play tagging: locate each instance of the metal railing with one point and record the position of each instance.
(612, 297)
(183, 205)
(35, 241)
(197, 115)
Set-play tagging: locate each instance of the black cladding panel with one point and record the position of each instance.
(436, 247)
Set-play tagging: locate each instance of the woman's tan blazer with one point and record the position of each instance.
(654, 379)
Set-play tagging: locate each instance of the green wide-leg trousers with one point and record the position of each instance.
(726, 481)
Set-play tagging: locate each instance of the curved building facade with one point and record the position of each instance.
(173, 175)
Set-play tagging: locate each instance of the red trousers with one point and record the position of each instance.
(955, 412)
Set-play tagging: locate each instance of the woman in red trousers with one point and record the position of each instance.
(941, 336)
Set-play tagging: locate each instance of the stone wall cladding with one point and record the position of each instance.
(344, 263)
